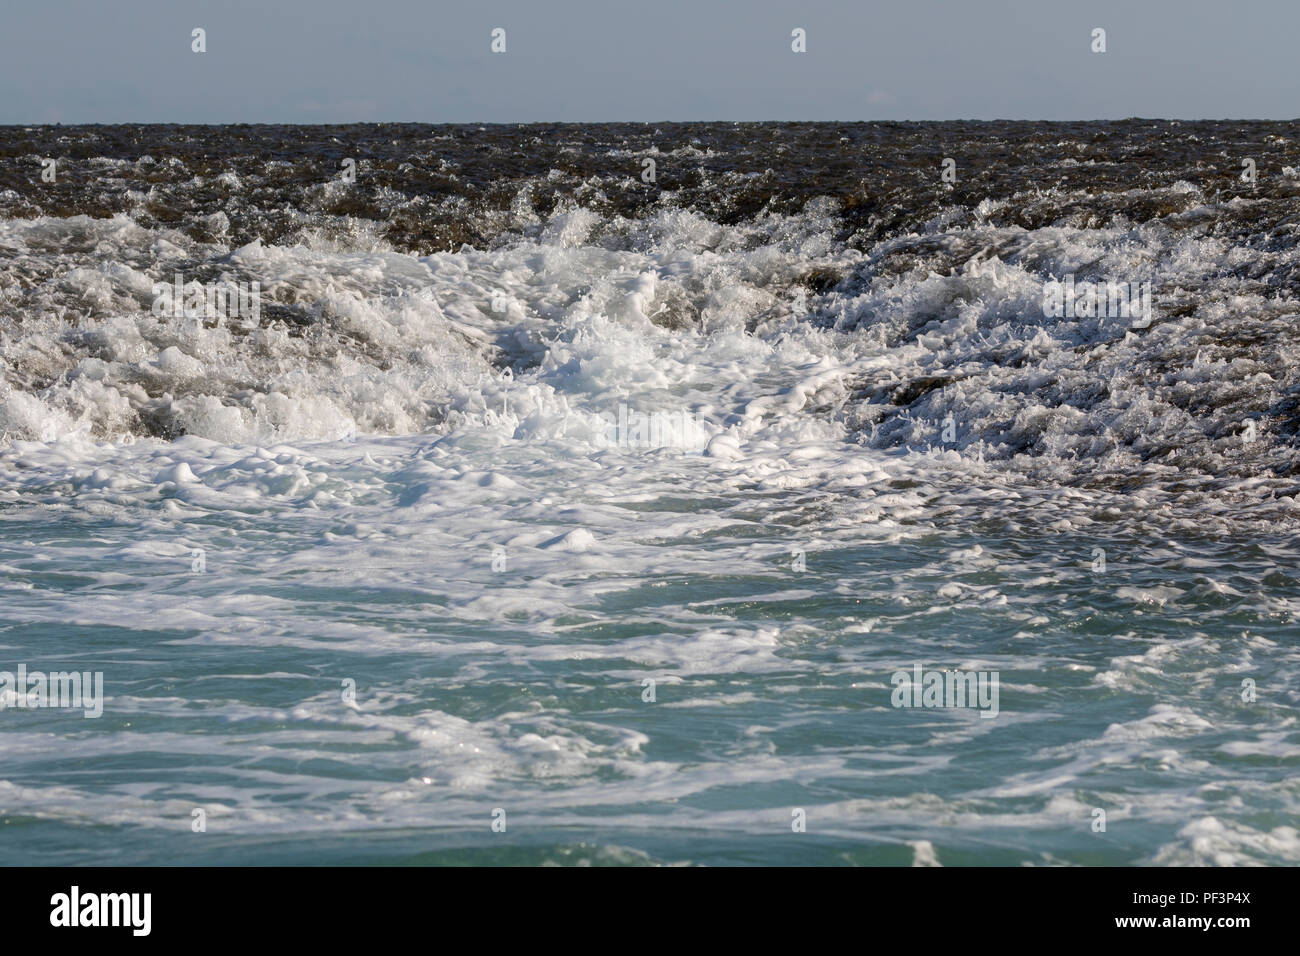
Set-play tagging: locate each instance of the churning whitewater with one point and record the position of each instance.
(517, 506)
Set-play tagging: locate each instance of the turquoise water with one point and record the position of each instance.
(522, 689)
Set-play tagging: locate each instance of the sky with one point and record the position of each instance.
(338, 61)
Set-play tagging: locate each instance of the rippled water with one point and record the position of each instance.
(377, 564)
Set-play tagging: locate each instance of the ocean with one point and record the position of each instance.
(668, 494)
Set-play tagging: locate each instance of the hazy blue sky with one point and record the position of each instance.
(590, 60)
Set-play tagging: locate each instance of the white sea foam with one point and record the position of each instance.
(394, 481)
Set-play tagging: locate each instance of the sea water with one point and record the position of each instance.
(402, 570)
